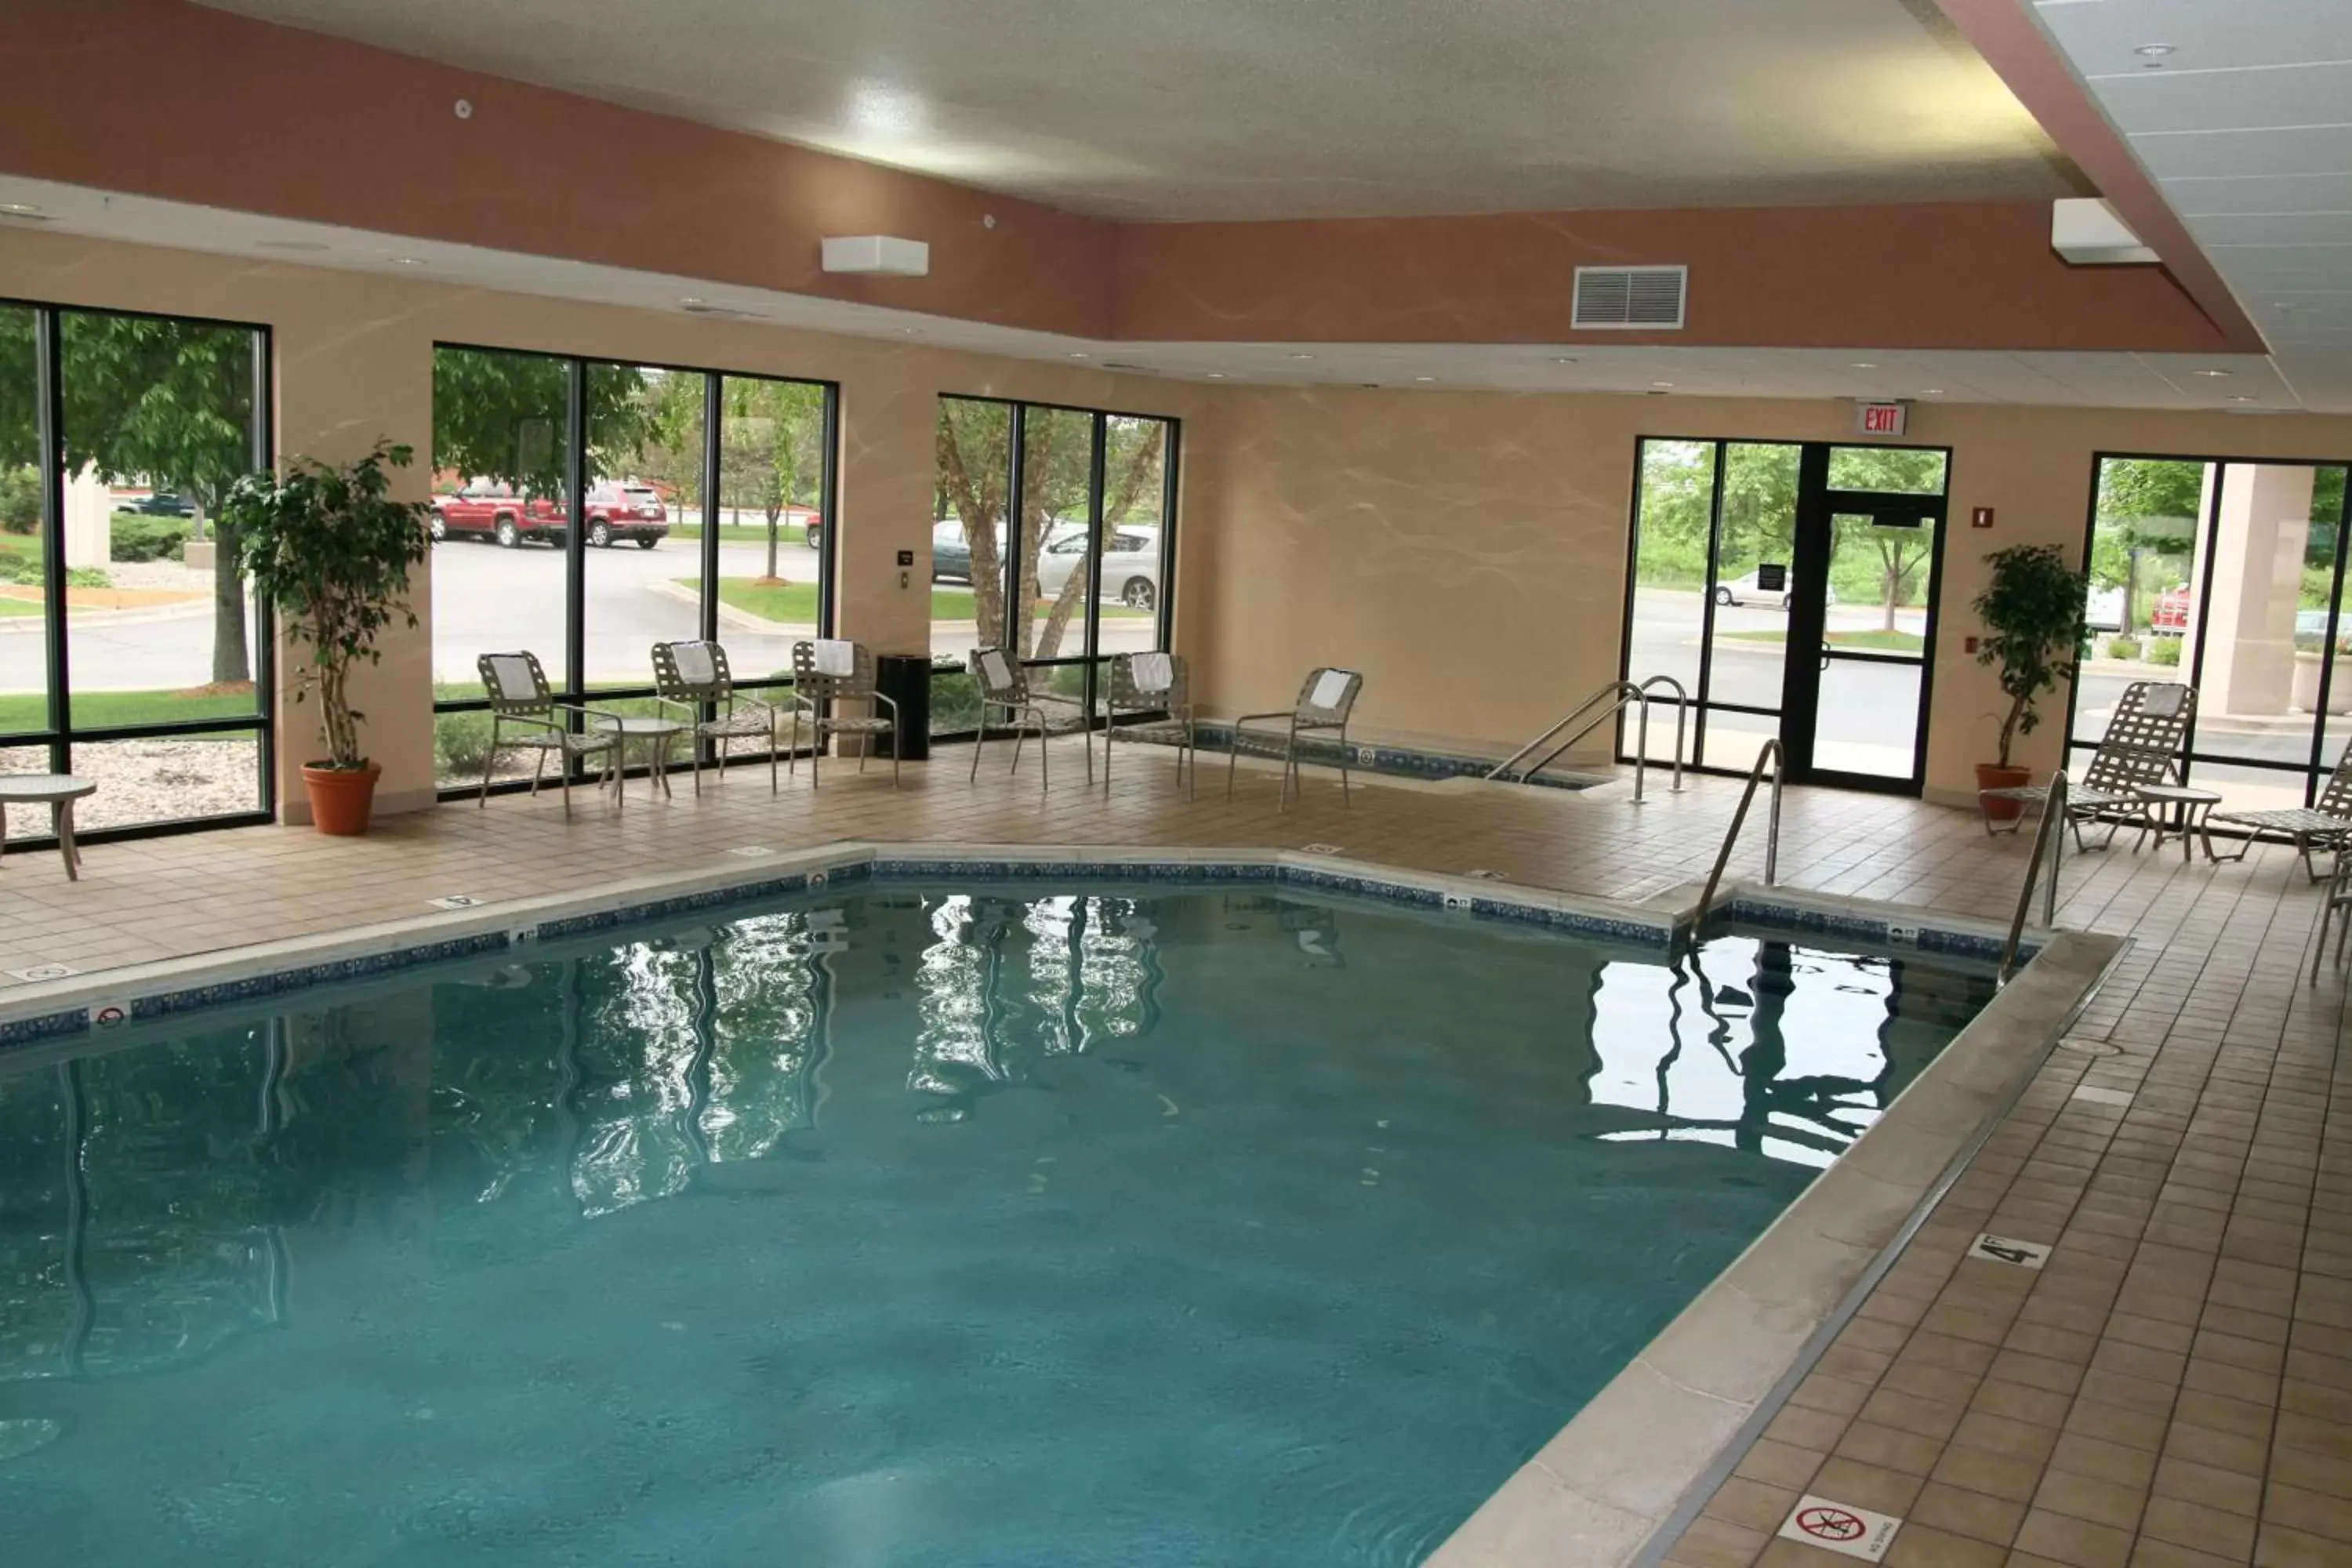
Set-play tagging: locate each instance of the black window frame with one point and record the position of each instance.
(573, 688)
(2316, 769)
(1163, 610)
(62, 734)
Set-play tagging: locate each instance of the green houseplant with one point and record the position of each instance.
(332, 550)
(2033, 617)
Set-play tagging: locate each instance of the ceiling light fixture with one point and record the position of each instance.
(1663, 385)
(2215, 375)
(1302, 356)
(407, 261)
(1933, 392)
(20, 209)
(1076, 355)
(2154, 51)
(1565, 359)
(2241, 397)
(1216, 376)
(1863, 364)
(692, 300)
(877, 109)
(1424, 378)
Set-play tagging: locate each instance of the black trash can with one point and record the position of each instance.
(905, 680)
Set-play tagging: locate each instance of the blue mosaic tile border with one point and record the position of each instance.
(366, 966)
(1396, 760)
(1866, 929)
(1872, 929)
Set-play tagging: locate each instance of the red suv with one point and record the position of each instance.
(2171, 612)
(617, 509)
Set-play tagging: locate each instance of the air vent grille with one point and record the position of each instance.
(1631, 299)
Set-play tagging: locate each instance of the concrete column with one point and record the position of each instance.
(2258, 550)
(89, 519)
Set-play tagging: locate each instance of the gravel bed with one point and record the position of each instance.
(147, 781)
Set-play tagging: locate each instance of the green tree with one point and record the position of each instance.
(503, 417)
(770, 451)
(150, 399)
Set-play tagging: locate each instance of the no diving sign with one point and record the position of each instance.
(1834, 1527)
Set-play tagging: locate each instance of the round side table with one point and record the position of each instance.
(2172, 811)
(655, 735)
(58, 792)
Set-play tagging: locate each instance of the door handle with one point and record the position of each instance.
(1825, 653)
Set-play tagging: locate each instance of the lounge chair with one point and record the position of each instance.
(520, 697)
(827, 673)
(2142, 746)
(2315, 829)
(693, 676)
(1325, 699)
(1004, 684)
(1156, 691)
(2338, 897)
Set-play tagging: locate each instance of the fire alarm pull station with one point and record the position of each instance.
(1981, 517)
(906, 566)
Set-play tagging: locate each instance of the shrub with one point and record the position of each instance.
(2122, 648)
(136, 538)
(462, 743)
(955, 701)
(20, 499)
(2164, 650)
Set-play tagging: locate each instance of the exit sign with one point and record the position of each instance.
(1881, 418)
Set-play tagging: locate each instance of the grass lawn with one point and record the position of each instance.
(741, 532)
(9, 607)
(1878, 641)
(24, 710)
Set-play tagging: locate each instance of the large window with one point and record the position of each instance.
(132, 651)
(2227, 575)
(705, 495)
(1064, 513)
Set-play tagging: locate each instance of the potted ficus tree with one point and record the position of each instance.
(2033, 617)
(332, 550)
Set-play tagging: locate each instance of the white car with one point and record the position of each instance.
(1131, 564)
(1747, 591)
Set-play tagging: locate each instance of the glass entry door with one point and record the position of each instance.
(1790, 588)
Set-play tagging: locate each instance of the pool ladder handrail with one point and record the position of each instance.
(1612, 699)
(1770, 752)
(2053, 810)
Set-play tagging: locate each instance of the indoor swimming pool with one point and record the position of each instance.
(901, 1225)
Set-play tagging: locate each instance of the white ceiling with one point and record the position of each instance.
(1232, 109)
(2250, 383)
(2246, 124)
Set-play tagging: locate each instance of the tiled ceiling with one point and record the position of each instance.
(2243, 383)
(2241, 109)
(1239, 109)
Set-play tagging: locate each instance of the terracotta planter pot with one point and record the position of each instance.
(1992, 776)
(341, 799)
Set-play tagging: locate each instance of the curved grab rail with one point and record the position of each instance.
(1770, 754)
(2053, 810)
(1681, 722)
(1611, 699)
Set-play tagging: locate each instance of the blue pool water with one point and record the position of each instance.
(902, 1228)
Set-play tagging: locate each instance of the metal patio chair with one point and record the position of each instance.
(2142, 746)
(2337, 898)
(694, 676)
(1155, 688)
(2315, 829)
(519, 697)
(827, 673)
(1004, 684)
(1325, 699)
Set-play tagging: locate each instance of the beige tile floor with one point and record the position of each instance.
(2172, 1390)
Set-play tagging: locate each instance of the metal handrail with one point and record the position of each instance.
(1682, 720)
(1770, 754)
(1616, 695)
(2053, 810)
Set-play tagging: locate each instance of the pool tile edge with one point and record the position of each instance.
(1659, 1436)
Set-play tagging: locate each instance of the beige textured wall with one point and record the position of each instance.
(1467, 549)
(354, 360)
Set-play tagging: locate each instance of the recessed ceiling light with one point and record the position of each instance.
(22, 209)
(1863, 364)
(2241, 397)
(2215, 375)
(1663, 385)
(1424, 378)
(1077, 354)
(1216, 376)
(692, 300)
(2154, 51)
(1933, 392)
(1565, 359)
(1302, 356)
(406, 261)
